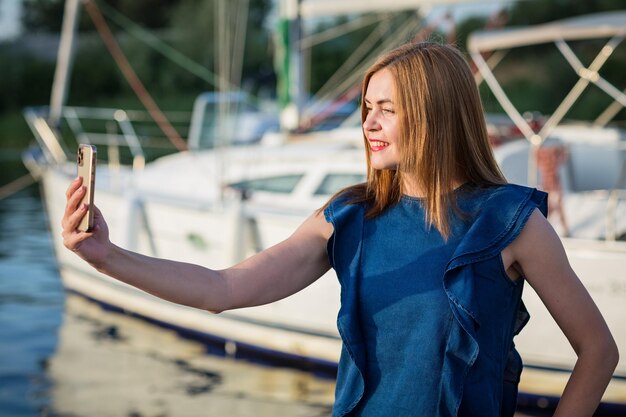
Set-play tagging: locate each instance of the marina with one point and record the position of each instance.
(215, 203)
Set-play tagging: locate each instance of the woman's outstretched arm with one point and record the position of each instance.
(539, 254)
(270, 275)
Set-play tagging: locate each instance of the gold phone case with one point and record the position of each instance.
(86, 168)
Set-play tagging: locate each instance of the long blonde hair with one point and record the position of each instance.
(443, 132)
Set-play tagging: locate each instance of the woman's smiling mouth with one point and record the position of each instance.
(377, 145)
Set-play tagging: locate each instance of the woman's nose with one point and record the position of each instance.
(370, 122)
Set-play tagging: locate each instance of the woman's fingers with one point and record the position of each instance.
(72, 237)
(74, 201)
(74, 195)
(73, 208)
(73, 219)
(73, 240)
(73, 186)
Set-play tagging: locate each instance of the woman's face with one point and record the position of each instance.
(381, 124)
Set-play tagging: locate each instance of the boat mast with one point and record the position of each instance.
(289, 64)
(64, 61)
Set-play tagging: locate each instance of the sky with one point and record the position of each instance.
(10, 11)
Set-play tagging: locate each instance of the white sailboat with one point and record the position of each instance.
(216, 206)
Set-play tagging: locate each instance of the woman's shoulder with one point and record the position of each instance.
(495, 215)
(497, 190)
(346, 202)
(502, 197)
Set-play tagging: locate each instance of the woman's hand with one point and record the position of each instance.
(92, 246)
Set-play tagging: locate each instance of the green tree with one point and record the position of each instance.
(530, 12)
(47, 15)
(43, 15)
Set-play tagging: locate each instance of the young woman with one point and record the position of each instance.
(431, 253)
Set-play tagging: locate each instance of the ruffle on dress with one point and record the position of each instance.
(508, 208)
(348, 220)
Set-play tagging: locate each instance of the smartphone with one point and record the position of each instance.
(86, 168)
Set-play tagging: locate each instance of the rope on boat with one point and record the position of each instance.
(158, 45)
(16, 185)
(164, 49)
(339, 30)
(345, 83)
(131, 77)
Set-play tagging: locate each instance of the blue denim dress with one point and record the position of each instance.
(427, 325)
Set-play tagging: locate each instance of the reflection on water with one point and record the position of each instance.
(110, 364)
(83, 361)
(31, 303)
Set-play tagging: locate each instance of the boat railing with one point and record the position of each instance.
(130, 137)
(52, 148)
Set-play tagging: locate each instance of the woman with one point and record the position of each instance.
(431, 254)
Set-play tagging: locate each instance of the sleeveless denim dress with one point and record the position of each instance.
(427, 325)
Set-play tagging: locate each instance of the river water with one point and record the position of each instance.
(62, 355)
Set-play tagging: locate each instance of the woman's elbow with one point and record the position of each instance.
(215, 308)
(210, 305)
(218, 296)
(612, 353)
(607, 352)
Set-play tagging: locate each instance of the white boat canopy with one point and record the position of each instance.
(314, 8)
(600, 25)
(610, 25)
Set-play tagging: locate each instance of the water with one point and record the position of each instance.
(62, 355)
(31, 305)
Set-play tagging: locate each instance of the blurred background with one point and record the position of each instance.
(61, 355)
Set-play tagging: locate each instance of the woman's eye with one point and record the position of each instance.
(388, 111)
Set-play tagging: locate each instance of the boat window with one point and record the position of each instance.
(280, 184)
(240, 121)
(335, 182)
